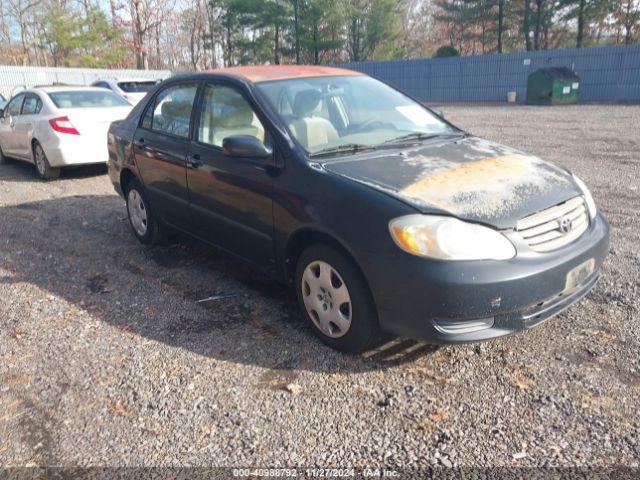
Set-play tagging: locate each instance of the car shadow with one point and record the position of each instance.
(20, 171)
(184, 294)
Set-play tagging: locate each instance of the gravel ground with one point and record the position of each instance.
(108, 359)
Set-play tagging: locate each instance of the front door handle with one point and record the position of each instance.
(194, 161)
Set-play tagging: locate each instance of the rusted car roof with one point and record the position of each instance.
(265, 73)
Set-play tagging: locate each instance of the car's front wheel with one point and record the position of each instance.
(43, 168)
(335, 299)
(141, 216)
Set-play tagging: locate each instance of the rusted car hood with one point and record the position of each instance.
(470, 178)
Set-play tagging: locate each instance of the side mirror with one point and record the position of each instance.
(437, 111)
(246, 146)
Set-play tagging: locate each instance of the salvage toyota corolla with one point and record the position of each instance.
(382, 215)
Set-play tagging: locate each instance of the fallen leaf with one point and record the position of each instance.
(517, 377)
(293, 388)
(438, 415)
(17, 334)
(16, 378)
(444, 357)
(126, 329)
(430, 376)
(119, 409)
(432, 419)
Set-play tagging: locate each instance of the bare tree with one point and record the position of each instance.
(146, 17)
(21, 11)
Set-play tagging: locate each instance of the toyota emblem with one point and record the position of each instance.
(566, 224)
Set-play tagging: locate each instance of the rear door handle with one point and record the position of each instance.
(194, 161)
(140, 144)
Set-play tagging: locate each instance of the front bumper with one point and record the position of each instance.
(417, 297)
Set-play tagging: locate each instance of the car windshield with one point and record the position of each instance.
(137, 87)
(87, 99)
(337, 113)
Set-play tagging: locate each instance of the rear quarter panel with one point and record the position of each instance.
(119, 145)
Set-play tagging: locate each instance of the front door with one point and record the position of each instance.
(160, 145)
(7, 125)
(231, 198)
(24, 125)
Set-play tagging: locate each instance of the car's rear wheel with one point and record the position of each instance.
(44, 170)
(3, 159)
(141, 216)
(335, 299)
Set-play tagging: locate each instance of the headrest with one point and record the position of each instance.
(168, 109)
(238, 114)
(305, 102)
(173, 109)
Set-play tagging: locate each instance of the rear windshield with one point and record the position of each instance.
(137, 87)
(87, 99)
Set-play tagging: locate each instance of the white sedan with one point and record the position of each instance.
(131, 89)
(55, 127)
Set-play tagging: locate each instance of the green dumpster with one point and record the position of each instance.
(553, 86)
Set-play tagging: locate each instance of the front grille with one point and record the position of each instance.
(555, 227)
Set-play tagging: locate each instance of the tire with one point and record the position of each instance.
(142, 218)
(3, 160)
(335, 299)
(41, 163)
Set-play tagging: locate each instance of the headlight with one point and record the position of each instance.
(448, 238)
(591, 205)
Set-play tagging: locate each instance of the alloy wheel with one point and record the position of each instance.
(40, 161)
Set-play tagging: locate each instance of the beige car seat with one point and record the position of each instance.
(239, 120)
(310, 130)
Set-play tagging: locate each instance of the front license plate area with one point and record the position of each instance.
(577, 276)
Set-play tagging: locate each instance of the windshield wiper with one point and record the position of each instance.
(346, 148)
(419, 136)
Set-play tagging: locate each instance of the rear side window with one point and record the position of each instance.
(32, 105)
(170, 112)
(87, 99)
(137, 87)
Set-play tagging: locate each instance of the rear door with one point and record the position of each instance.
(231, 198)
(160, 148)
(7, 125)
(25, 123)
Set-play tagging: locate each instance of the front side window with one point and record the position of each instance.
(224, 113)
(328, 112)
(14, 107)
(32, 105)
(87, 99)
(171, 110)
